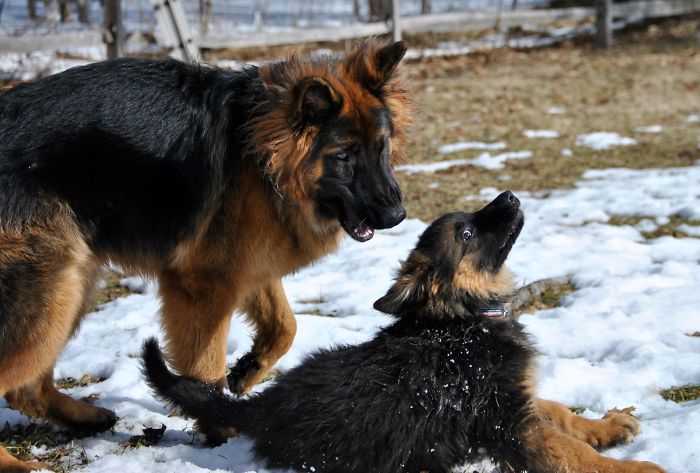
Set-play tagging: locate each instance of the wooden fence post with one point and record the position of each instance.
(396, 19)
(174, 30)
(603, 23)
(113, 28)
(83, 11)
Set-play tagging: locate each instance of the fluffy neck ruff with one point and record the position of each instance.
(422, 291)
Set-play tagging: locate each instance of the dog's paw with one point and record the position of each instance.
(618, 426)
(244, 375)
(87, 420)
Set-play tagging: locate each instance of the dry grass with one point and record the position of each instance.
(681, 394)
(85, 380)
(540, 295)
(650, 77)
(63, 454)
(667, 229)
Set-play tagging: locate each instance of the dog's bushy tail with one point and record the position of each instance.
(205, 402)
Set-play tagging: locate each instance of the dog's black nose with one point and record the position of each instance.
(391, 217)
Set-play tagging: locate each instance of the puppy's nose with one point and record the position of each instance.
(511, 198)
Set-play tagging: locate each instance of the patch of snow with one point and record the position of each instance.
(229, 64)
(614, 342)
(430, 167)
(541, 134)
(464, 145)
(646, 225)
(567, 153)
(138, 284)
(496, 161)
(692, 230)
(693, 118)
(556, 110)
(37, 64)
(603, 140)
(649, 129)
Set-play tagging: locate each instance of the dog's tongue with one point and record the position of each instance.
(361, 232)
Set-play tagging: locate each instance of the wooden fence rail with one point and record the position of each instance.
(453, 21)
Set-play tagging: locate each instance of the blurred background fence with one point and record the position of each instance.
(28, 25)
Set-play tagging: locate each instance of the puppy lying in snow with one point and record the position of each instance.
(451, 379)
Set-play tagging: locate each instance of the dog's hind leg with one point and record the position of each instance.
(618, 426)
(45, 275)
(275, 326)
(9, 464)
(41, 399)
(549, 450)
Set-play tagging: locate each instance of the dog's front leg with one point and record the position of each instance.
(196, 312)
(275, 327)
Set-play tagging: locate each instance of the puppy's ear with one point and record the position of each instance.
(314, 101)
(389, 303)
(399, 298)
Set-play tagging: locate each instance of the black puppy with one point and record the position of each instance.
(449, 380)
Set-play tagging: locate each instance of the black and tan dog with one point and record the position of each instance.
(450, 379)
(216, 183)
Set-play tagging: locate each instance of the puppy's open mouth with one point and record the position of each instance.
(518, 223)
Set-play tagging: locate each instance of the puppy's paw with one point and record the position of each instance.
(244, 375)
(632, 466)
(618, 426)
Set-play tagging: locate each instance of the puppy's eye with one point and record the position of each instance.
(466, 234)
(343, 156)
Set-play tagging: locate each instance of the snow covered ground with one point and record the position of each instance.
(618, 340)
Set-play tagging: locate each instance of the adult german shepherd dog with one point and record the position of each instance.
(216, 183)
(452, 378)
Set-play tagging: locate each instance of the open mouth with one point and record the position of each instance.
(353, 225)
(359, 232)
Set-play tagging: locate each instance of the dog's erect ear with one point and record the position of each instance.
(315, 101)
(387, 59)
(373, 64)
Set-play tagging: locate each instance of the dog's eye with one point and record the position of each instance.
(466, 234)
(342, 156)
